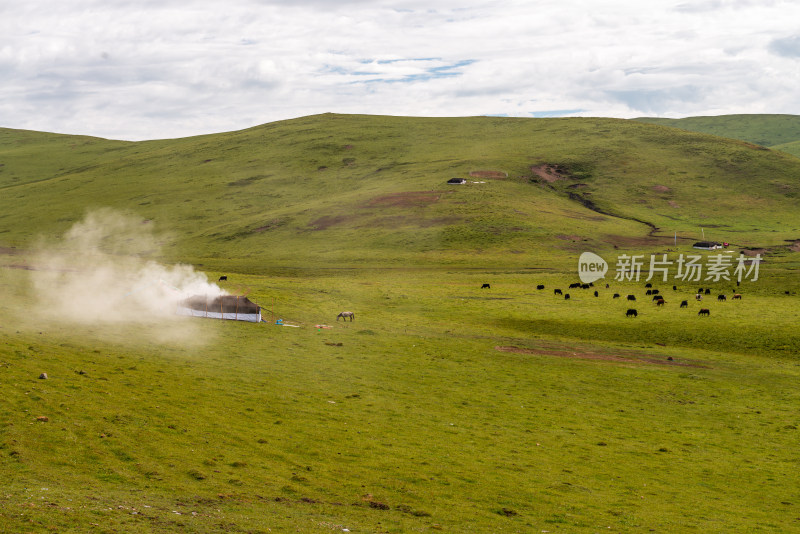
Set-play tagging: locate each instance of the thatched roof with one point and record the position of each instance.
(223, 304)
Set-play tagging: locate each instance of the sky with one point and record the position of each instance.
(155, 69)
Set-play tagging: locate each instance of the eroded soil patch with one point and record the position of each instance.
(326, 221)
(549, 173)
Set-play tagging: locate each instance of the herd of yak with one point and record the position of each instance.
(655, 293)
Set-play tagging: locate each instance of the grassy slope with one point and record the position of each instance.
(792, 148)
(774, 131)
(415, 412)
(416, 421)
(314, 190)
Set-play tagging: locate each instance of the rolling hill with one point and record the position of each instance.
(778, 132)
(444, 406)
(349, 189)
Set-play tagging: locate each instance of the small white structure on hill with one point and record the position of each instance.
(233, 307)
(707, 245)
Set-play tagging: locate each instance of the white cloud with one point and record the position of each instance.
(168, 68)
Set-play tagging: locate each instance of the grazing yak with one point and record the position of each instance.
(616, 296)
(486, 286)
(722, 297)
(648, 292)
(699, 296)
(684, 304)
(674, 288)
(648, 284)
(557, 292)
(631, 313)
(576, 284)
(657, 297)
(345, 315)
(566, 296)
(540, 286)
(631, 297)
(223, 278)
(704, 311)
(655, 292)
(660, 302)
(596, 294)
(707, 291)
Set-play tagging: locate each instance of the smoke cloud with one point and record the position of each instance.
(100, 273)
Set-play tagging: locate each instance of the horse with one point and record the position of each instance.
(737, 296)
(345, 315)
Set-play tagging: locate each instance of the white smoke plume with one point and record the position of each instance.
(100, 273)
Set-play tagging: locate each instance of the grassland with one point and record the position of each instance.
(355, 190)
(779, 132)
(443, 406)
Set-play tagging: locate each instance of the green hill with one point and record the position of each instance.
(337, 189)
(773, 131)
(790, 148)
(445, 405)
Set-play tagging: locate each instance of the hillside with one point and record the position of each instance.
(348, 189)
(792, 148)
(479, 388)
(778, 132)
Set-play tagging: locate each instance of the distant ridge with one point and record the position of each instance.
(779, 132)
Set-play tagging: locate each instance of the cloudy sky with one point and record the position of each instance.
(147, 69)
